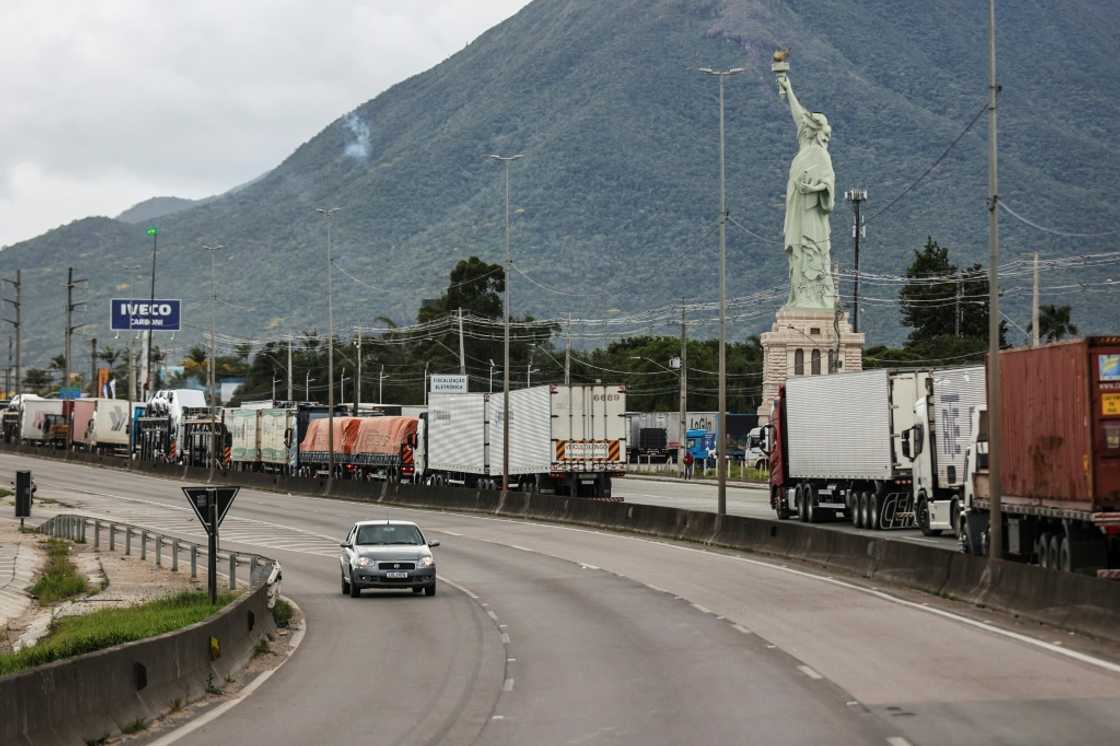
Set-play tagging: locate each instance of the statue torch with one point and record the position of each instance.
(780, 67)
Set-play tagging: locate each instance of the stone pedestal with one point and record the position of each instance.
(796, 335)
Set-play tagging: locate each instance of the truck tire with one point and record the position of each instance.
(1065, 558)
(923, 517)
(873, 511)
(1041, 550)
(1053, 552)
(814, 513)
(802, 504)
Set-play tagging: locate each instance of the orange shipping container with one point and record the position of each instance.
(1060, 441)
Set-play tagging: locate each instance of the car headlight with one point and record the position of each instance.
(425, 562)
(364, 562)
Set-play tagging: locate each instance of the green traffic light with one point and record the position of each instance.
(153, 231)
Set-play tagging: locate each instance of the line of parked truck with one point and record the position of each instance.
(909, 448)
(567, 440)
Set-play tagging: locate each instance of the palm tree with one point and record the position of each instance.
(195, 363)
(1054, 323)
(110, 356)
(38, 380)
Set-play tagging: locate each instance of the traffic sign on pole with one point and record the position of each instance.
(211, 504)
(200, 499)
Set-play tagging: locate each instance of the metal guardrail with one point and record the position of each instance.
(138, 539)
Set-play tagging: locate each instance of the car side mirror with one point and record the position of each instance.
(906, 444)
(344, 545)
(433, 543)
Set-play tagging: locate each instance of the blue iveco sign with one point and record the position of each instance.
(158, 315)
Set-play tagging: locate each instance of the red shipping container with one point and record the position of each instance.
(1060, 447)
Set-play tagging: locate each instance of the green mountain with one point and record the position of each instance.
(155, 207)
(617, 197)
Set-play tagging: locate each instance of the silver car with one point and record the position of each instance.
(387, 554)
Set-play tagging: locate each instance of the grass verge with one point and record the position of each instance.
(5, 493)
(61, 580)
(76, 635)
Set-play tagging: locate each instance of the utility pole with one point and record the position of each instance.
(856, 197)
(307, 386)
(93, 367)
(462, 348)
(380, 380)
(211, 363)
(506, 160)
(568, 353)
(957, 314)
(358, 380)
(17, 325)
(684, 390)
(834, 362)
(329, 215)
(8, 371)
(153, 231)
(71, 283)
(290, 368)
(1034, 306)
(721, 446)
(994, 402)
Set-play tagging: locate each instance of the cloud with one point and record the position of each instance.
(358, 148)
(109, 103)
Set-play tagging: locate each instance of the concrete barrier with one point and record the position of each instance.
(1084, 604)
(82, 699)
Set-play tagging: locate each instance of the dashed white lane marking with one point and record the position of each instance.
(588, 567)
(505, 638)
(444, 531)
(741, 629)
(508, 685)
(701, 609)
(898, 741)
(511, 660)
(202, 720)
(810, 673)
(497, 717)
(491, 614)
(521, 548)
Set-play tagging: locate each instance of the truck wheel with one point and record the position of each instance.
(873, 512)
(962, 535)
(1065, 561)
(802, 504)
(923, 518)
(1053, 552)
(812, 511)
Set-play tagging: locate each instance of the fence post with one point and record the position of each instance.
(127, 540)
(143, 544)
(252, 568)
(174, 555)
(159, 550)
(82, 529)
(232, 571)
(96, 534)
(194, 561)
(112, 536)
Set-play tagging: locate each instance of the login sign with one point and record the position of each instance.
(157, 315)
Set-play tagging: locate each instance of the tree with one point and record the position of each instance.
(38, 380)
(196, 363)
(475, 286)
(1054, 323)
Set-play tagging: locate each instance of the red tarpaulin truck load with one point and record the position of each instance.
(383, 447)
(1059, 457)
(315, 447)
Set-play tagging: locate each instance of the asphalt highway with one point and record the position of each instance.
(548, 634)
(746, 501)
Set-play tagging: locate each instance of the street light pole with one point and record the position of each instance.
(721, 449)
(210, 367)
(505, 370)
(307, 386)
(328, 213)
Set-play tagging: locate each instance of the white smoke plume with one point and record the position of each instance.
(358, 148)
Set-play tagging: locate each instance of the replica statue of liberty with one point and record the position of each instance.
(810, 198)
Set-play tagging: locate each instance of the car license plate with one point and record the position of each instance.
(396, 575)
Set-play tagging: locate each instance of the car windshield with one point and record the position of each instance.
(382, 534)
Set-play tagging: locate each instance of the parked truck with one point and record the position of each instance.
(1059, 453)
(100, 425)
(837, 448)
(654, 437)
(563, 439)
(40, 420)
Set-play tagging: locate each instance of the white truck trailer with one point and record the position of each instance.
(563, 439)
(838, 448)
(40, 419)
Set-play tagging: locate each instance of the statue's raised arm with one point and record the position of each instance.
(795, 107)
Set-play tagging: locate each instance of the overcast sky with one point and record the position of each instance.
(105, 103)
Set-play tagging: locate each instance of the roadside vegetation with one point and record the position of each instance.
(76, 635)
(61, 580)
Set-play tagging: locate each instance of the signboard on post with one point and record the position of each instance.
(69, 393)
(23, 496)
(158, 315)
(446, 384)
(211, 504)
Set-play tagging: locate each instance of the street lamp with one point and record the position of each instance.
(491, 375)
(529, 367)
(153, 231)
(506, 160)
(210, 367)
(307, 386)
(723, 75)
(342, 387)
(380, 379)
(328, 213)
